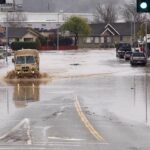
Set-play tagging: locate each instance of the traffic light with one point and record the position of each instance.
(143, 6)
(2, 1)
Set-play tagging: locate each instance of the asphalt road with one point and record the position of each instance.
(91, 101)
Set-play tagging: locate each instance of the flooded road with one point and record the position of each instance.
(91, 100)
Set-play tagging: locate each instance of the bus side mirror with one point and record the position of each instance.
(13, 60)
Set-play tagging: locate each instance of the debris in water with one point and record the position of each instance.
(75, 64)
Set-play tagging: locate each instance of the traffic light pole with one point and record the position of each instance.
(14, 5)
(7, 39)
(146, 38)
(6, 36)
(134, 30)
(58, 31)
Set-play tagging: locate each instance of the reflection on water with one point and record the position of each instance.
(135, 104)
(18, 94)
(124, 98)
(25, 92)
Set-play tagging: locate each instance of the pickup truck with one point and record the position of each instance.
(138, 58)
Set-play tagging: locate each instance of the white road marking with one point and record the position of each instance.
(25, 122)
(45, 130)
(70, 143)
(61, 92)
(65, 139)
(18, 148)
(29, 142)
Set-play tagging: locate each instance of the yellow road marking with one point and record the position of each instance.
(86, 122)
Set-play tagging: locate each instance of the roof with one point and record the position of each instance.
(20, 32)
(97, 29)
(46, 30)
(123, 29)
(16, 32)
(27, 52)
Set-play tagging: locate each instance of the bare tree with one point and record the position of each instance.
(16, 19)
(106, 13)
(130, 14)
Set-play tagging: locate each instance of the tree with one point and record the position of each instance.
(141, 32)
(130, 15)
(77, 26)
(106, 13)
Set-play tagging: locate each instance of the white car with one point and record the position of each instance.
(138, 58)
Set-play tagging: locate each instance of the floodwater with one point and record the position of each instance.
(105, 84)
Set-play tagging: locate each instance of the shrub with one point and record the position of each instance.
(24, 45)
(43, 40)
(62, 41)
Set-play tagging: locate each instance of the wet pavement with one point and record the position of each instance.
(91, 100)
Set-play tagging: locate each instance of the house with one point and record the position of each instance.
(107, 35)
(47, 33)
(22, 34)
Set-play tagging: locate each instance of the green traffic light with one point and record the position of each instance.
(143, 5)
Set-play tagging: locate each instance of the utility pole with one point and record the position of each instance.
(134, 29)
(146, 38)
(7, 41)
(131, 34)
(58, 31)
(14, 5)
(146, 97)
(58, 22)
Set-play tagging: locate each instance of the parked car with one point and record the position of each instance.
(121, 48)
(127, 55)
(138, 58)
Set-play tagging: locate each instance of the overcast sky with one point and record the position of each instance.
(65, 5)
(17, 1)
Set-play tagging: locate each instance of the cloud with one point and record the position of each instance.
(16, 1)
(56, 5)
